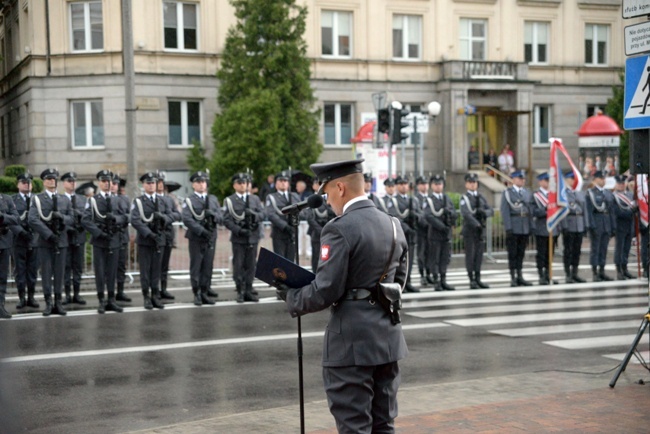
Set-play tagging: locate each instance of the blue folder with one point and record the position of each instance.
(273, 267)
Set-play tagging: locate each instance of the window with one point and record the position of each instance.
(594, 109)
(541, 125)
(596, 40)
(87, 124)
(338, 123)
(86, 26)
(473, 39)
(184, 122)
(336, 33)
(536, 42)
(180, 25)
(407, 36)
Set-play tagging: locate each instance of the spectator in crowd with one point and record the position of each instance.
(506, 161)
(472, 157)
(491, 159)
(267, 188)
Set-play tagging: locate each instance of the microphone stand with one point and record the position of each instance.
(294, 222)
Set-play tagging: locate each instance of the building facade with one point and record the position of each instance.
(505, 72)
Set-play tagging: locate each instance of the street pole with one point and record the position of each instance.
(129, 98)
(415, 147)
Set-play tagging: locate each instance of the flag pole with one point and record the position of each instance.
(636, 232)
(550, 257)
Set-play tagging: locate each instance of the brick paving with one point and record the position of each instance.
(543, 402)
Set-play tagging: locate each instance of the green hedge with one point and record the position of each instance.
(8, 183)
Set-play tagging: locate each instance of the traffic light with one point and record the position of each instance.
(398, 123)
(383, 120)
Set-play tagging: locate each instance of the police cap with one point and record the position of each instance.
(25, 177)
(283, 176)
(69, 176)
(49, 174)
(402, 180)
(599, 174)
(367, 177)
(471, 177)
(421, 180)
(161, 175)
(518, 174)
(149, 177)
(199, 176)
(326, 172)
(437, 179)
(104, 175)
(620, 179)
(116, 179)
(389, 182)
(569, 174)
(542, 176)
(239, 177)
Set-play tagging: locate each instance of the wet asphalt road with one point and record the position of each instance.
(140, 369)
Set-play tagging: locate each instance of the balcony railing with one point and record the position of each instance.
(484, 70)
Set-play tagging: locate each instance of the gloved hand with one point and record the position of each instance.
(54, 240)
(57, 215)
(281, 290)
(244, 232)
(288, 229)
(110, 218)
(104, 236)
(157, 215)
(27, 236)
(248, 212)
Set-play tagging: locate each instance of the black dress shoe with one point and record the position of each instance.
(3, 312)
(165, 295)
(473, 285)
(147, 303)
(67, 300)
(410, 288)
(205, 299)
(240, 297)
(430, 279)
(254, 292)
(102, 306)
(197, 300)
(48, 308)
(31, 302)
(58, 308)
(77, 299)
(578, 279)
(157, 302)
(122, 297)
(111, 305)
(251, 297)
(211, 293)
(21, 303)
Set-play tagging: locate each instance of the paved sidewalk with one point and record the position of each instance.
(541, 402)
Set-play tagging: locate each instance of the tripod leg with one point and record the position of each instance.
(626, 360)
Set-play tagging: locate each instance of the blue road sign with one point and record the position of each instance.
(637, 93)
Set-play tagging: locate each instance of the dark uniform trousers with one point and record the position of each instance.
(645, 260)
(244, 247)
(10, 220)
(406, 209)
(624, 228)
(105, 239)
(175, 216)
(473, 233)
(76, 248)
(439, 234)
(282, 233)
(201, 242)
(123, 253)
(599, 207)
(51, 258)
(422, 243)
(150, 244)
(572, 245)
(541, 258)
(361, 346)
(24, 251)
(573, 227)
(516, 215)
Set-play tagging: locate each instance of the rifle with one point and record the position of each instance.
(55, 224)
(209, 221)
(157, 224)
(24, 220)
(446, 215)
(250, 219)
(77, 214)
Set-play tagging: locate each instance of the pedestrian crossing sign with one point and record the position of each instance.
(637, 93)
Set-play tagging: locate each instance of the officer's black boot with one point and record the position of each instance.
(68, 297)
(21, 299)
(551, 281)
(604, 277)
(4, 314)
(76, 297)
(543, 278)
(430, 278)
(101, 308)
(147, 299)
(597, 277)
(48, 306)
(513, 278)
(619, 273)
(248, 295)
(164, 294)
(197, 297)
(210, 292)
(436, 282)
(205, 299)
(472, 281)
(444, 284)
(111, 304)
(478, 281)
(576, 278)
(569, 275)
(626, 273)
(58, 305)
(423, 279)
(520, 279)
(155, 299)
(121, 296)
(645, 272)
(31, 301)
(240, 293)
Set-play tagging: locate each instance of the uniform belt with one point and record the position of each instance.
(519, 214)
(602, 212)
(358, 294)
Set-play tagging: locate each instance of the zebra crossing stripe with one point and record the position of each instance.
(635, 312)
(529, 307)
(595, 342)
(565, 328)
(645, 355)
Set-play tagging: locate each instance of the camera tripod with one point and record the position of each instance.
(633, 350)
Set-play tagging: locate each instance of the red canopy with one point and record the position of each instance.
(599, 125)
(365, 133)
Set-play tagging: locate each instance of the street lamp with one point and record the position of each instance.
(432, 110)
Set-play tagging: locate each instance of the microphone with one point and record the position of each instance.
(313, 201)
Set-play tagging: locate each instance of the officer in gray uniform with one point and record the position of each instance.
(624, 210)
(406, 208)
(242, 215)
(174, 214)
(573, 228)
(422, 243)
(361, 346)
(440, 216)
(367, 188)
(602, 224)
(103, 218)
(385, 203)
(282, 232)
(317, 218)
(25, 253)
(538, 206)
(475, 211)
(149, 217)
(50, 215)
(8, 219)
(74, 264)
(201, 214)
(516, 216)
(117, 185)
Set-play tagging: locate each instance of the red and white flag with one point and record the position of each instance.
(557, 198)
(642, 197)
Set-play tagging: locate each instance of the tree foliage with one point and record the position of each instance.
(196, 158)
(268, 120)
(616, 110)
